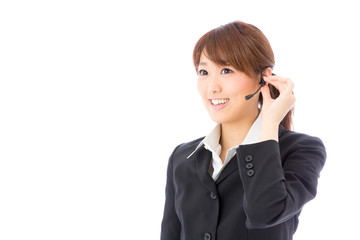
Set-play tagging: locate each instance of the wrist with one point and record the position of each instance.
(269, 131)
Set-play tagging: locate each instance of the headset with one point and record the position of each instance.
(262, 83)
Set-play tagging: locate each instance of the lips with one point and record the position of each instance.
(219, 101)
(217, 104)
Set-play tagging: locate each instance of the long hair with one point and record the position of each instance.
(244, 47)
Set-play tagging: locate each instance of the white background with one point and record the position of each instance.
(95, 95)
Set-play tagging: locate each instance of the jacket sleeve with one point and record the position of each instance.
(277, 186)
(170, 227)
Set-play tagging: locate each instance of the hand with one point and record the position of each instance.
(274, 110)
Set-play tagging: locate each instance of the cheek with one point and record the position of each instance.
(238, 88)
(241, 87)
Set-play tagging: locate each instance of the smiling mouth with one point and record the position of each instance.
(219, 101)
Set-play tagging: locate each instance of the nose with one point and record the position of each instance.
(214, 85)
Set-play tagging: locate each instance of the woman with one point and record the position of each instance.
(251, 175)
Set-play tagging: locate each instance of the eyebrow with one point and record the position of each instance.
(202, 63)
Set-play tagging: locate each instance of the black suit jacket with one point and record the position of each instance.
(259, 194)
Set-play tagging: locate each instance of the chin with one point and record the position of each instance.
(227, 116)
(219, 119)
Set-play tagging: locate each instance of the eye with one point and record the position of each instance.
(203, 72)
(226, 71)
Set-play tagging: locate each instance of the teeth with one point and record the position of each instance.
(219, 101)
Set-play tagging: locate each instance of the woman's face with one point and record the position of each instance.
(223, 90)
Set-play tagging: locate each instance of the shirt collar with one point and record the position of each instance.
(211, 141)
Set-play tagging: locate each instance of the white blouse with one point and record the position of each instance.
(211, 143)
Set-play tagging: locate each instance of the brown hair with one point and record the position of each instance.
(244, 47)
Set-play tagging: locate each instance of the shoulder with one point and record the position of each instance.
(291, 141)
(183, 150)
(290, 137)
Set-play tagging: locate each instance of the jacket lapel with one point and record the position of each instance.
(203, 160)
(229, 169)
(233, 165)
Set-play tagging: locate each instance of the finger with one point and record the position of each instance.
(265, 91)
(282, 84)
(288, 84)
(291, 84)
(277, 78)
(279, 85)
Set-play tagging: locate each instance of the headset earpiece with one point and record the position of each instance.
(262, 83)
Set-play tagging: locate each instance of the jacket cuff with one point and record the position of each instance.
(263, 180)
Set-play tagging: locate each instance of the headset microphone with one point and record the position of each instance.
(262, 83)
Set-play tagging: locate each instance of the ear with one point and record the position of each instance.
(267, 72)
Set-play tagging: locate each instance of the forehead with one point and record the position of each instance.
(205, 61)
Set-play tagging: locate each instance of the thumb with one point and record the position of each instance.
(265, 91)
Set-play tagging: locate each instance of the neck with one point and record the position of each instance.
(233, 134)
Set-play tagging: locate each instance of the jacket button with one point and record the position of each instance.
(250, 172)
(207, 236)
(213, 196)
(249, 165)
(248, 158)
